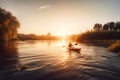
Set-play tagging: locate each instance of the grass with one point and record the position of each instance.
(115, 47)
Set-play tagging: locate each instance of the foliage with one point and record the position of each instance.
(8, 25)
(99, 36)
(110, 26)
(109, 31)
(115, 47)
(97, 27)
(48, 36)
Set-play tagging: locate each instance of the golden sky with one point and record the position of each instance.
(61, 16)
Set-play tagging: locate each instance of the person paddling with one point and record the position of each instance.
(70, 44)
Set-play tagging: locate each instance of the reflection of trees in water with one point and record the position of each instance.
(8, 54)
(31, 42)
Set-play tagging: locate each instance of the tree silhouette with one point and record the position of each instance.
(118, 26)
(111, 26)
(8, 25)
(97, 27)
(105, 27)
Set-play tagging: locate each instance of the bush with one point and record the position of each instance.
(99, 35)
(115, 47)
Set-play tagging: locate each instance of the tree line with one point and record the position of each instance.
(110, 26)
(107, 31)
(8, 25)
(47, 36)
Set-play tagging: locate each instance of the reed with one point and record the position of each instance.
(115, 47)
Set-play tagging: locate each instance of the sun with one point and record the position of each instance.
(62, 34)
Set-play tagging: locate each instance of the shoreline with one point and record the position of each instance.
(112, 45)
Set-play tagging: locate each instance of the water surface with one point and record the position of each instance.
(51, 60)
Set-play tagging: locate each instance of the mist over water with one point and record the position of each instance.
(51, 60)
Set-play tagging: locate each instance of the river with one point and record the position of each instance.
(51, 60)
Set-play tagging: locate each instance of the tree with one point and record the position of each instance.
(49, 34)
(105, 27)
(97, 27)
(8, 25)
(118, 26)
(111, 26)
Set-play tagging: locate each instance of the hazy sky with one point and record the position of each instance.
(61, 16)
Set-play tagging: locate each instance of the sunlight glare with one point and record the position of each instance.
(63, 36)
(63, 43)
(63, 32)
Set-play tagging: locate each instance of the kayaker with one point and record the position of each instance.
(70, 44)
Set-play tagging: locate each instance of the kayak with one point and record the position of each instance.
(74, 48)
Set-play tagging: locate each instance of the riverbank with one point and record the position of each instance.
(99, 42)
(112, 45)
(109, 39)
(115, 47)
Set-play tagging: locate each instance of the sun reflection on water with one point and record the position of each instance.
(64, 57)
(63, 42)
